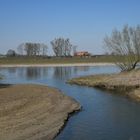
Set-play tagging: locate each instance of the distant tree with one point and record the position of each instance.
(125, 44)
(11, 53)
(74, 49)
(32, 49)
(44, 48)
(62, 47)
(20, 49)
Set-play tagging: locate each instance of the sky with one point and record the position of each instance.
(85, 22)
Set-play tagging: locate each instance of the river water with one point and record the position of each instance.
(104, 116)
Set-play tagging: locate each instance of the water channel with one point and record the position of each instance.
(104, 116)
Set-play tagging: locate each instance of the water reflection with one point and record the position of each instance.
(81, 68)
(27, 73)
(33, 73)
(67, 72)
(12, 70)
(62, 72)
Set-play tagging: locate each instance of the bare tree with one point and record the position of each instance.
(20, 49)
(32, 49)
(44, 49)
(74, 49)
(61, 47)
(125, 44)
(29, 49)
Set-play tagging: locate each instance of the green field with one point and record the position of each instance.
(55, 60)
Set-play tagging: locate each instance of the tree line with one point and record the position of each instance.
(32, 49)
(60, 46)
(124, 44)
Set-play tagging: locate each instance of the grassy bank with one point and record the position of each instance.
(55, 60)
(127, 83)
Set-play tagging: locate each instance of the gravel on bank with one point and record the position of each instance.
(33, 112)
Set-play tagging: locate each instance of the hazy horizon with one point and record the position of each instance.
(85, 22)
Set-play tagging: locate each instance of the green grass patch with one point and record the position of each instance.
(56, 60)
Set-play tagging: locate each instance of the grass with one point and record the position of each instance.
(126, 83)
(110, 81)
(55, 60)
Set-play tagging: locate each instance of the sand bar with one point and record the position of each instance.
(33, 112)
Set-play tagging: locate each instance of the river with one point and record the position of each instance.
(104, 116)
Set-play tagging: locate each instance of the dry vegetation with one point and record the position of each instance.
(124, 82)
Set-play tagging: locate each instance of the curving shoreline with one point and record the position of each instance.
(126, 83)
(33, 112)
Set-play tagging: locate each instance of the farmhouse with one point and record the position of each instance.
(82, 53)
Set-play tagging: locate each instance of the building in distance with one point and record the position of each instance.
(82, 54)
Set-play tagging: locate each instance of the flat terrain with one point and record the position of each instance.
(55, 60)
(127, 83)
(33, 112)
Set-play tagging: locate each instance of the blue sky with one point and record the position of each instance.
(85, 22)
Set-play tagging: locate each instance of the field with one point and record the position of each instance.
(55, 60)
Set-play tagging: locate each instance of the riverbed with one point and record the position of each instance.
(104, 116)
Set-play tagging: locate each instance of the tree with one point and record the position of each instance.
(61, 47)
(44, 48)
(32, 49)
(11, 53)
(74, 49)
(125, 44)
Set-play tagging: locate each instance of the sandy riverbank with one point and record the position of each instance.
(33, 112)
(126, 83)
(56, 65)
